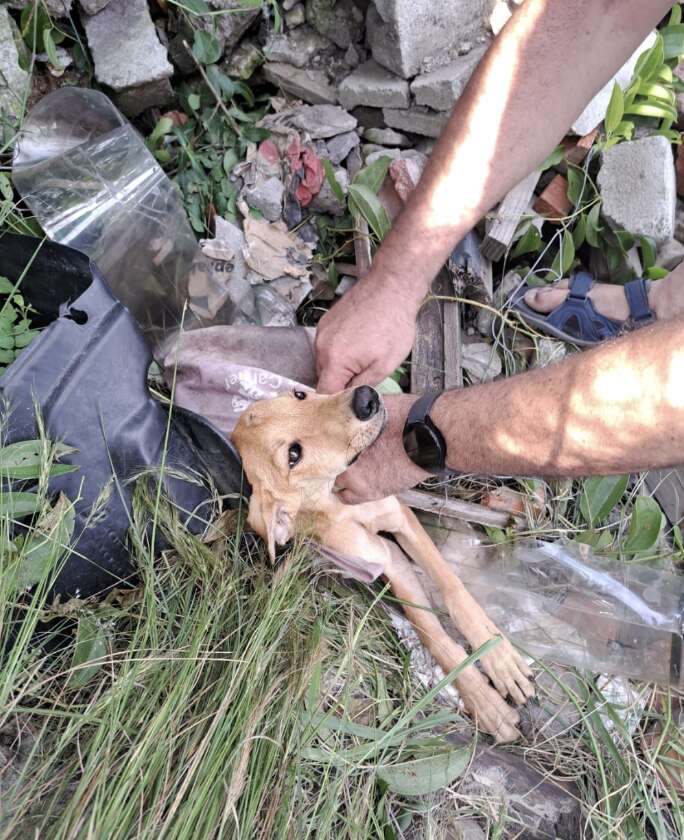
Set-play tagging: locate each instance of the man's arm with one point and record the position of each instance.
(615, 409)
(549, 61)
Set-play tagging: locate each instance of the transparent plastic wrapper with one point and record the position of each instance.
(87, 175)
(576, 608)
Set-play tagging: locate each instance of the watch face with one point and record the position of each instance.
(424, 447)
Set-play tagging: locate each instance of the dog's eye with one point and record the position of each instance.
(294, 454)
(300, 395)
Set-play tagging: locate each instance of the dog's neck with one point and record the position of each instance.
(320, 507)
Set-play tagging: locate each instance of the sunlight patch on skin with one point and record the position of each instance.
(675, 381)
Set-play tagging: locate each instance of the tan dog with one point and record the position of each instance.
(293, 448)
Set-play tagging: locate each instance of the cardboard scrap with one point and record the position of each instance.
(272, 251)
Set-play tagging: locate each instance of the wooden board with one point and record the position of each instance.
(427, 357)
(512, 208)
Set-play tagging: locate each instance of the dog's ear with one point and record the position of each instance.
(271, 519)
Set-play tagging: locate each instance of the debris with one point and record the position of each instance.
(371, 153)
(308, 169)
(326, 201)
(339, 20)
(441, 88)
(296, 16)
(297, 47)
(307, 84)
(553, 203)
(90, 7)
(230, 26)
(595, 111)
(291, 289)
(576, 151)
(406, 173)
(447, 507)
(340, 146)
(637, 185)
(57, 8)
(427, 356)
(670, 255)
(266, 197)
(481, 362)
(274, 310)
(505, 223)
(373, 86)
(387, 137)
(416, 120)
(272, 251)
(128, 56)
(500, 16)
(549, 351)
(322, 121)
(472, 270)
(346, 283)
(13, 80)
(246, 58)
(486, 317)
(404, 35)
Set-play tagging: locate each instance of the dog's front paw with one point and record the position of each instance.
(488, 707)
(509, 672)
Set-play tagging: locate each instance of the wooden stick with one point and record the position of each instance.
(454, 508)
(511, 209)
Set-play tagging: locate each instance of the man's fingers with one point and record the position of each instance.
(331, 381)
(370, 376)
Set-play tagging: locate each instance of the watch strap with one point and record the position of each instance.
(420, 413)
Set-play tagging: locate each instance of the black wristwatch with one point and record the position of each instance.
(423, 441)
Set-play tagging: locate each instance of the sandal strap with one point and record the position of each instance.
(636, 292)
(580, 285)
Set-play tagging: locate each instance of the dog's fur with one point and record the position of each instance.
(290, 499)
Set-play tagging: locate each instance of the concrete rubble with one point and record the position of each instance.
(13, 80)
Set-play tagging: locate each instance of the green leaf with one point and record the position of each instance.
(17, 505)
(656, 91)
(194, 101)
(675, 15)
(230, 159)
(91, 647)
(579, 233)
(6, 287)
(164, 126)
(364, 201)
(665, 75)
(372, 177)
(673, 41)
(625, 239)
(40, 552)
(576, 183)
(529, 243)
(422, 776)
(659, 110)
(332, 180)
(677, 537)
(389, 386)
(655, 273)
(565, 256)
(648, 251)
(598, 540)
(195, 7)
(600, 494)
(206, 47)
(650, 61)
(24, 458)
(554, 158)
(616, 108)
(51, 49)
(644, 525)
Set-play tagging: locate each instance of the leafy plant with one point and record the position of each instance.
(16, 332)
(40, 33)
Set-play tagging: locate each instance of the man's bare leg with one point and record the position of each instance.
(666, 297)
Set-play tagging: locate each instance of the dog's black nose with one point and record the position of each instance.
(365, 402)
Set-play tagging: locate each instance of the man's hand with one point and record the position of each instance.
(365, 336)
(384, 468)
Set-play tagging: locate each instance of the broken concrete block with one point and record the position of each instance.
(596, 109)
(228, 28)
(92, 7)
(128, 56)
(500, 16)
(387, 137)
(323, 121)
(372, 85)
(341, 21)
(310, 85)
(56, 8)
(296, 16)
(266, 197)
(679, 222)
(13, 80)
(297, 47)
(670, 255)
(340, 146)
(326, 201)
(416, 120)
(406, 173)
(405, 33)
(441, 88)
(637, 184)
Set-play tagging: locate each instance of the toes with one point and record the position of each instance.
(547, 299)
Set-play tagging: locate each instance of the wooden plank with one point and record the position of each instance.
(427, 357)
(444, 506)
(453, 370)
(512, 208)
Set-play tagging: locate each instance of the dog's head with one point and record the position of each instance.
(294, 447)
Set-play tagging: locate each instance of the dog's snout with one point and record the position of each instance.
(365, 402)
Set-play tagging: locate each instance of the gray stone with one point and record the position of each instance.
(352, 57)
(296, 48)
(372, 153)
(679, 222)
(323, 121)
(373, 86)
(296, 16)
(341, 21)
(326, 201)
(13, 80)
(637, 184)
(441, 88)
(228, 28)
(387, 137)
(245, 60)
(340, 146)
(92, 7)
(500, 16)
(595, 111)
(346, 283)
(369, 117)
(128, 56)
(266, 197)
(403, 34)
(289, 4)
(310, 85)
(57, 8)
(416, 120)
(670, 255)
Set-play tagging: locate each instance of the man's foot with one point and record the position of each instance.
(608, 299)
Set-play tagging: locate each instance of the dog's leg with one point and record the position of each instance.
(492, 713)
(503, 664)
